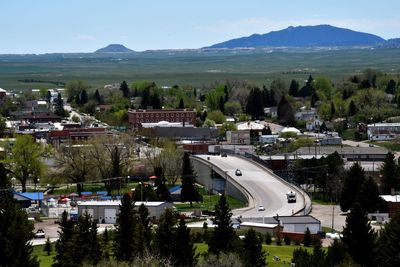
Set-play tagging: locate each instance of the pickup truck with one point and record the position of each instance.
(291, 197)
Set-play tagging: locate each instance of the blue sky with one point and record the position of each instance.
(46, 26)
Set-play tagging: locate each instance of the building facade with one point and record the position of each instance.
(138, 116)
(383, 131)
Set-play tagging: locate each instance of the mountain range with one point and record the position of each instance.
(305, 36)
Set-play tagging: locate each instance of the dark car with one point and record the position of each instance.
(224, 155)
(238, 172)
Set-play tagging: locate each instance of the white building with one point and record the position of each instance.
(106, 211)
(383, 131)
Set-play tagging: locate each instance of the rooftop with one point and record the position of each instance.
(118, 202)
(326, 150)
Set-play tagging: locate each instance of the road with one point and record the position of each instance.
(265, 188)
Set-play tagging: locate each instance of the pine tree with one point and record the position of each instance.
(59, 106)
(88, 250)
(4, 179)
(97, 97)
(352, 184)
(307, 238)
(336, 253)
(16, 233)
(285, 113)
(146, 100)
(314, 99)
(143, 232)
(181, 104)
(318, 258)
(125, 89)
(184, 252)
(189, 191)
(332, 111)
(352, 109)
(65, 246)
(83, 97)
(221, 104)
(223, 237)
(124, 243)
(266, 131)
(391, 87)
(162, 191)
(389, 173)
(368, 195)
(164, 237)
(252, 252)
(47, 247)
(388, 249)
(301, 258)
(294, 88)
(254, 105)
(156, 102)
(359, 237)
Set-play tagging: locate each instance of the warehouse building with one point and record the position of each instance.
(106, 211)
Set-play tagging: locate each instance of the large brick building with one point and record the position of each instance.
(138, 116)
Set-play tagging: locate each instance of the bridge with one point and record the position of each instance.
(256, 186)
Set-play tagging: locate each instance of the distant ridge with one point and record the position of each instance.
(114, 48)
(305, 36)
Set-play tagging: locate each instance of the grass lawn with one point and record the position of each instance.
(209, 203)
(283, 252)
(393, 146)
(45, 261)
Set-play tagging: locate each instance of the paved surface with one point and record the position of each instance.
(324, 214)
(265, 188)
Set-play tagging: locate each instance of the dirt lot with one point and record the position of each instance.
(324, 214)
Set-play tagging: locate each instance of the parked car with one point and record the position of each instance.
(238, 172)
(40, 234)
(224, 155)
(261, 208)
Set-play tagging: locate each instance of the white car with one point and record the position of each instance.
(333, 235)
(261, 208)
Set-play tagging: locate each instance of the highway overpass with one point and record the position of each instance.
(258, 185)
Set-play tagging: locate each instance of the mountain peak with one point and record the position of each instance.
(114, 48)
(305, 36)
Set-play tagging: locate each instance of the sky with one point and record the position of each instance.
(50, 26)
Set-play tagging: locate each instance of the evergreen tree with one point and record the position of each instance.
(391, 87)
(285, 113)
(16, 233)
(266, 131)
(183, 253)
(336, 253)
(254, 105)
(125, 89)
(83, 97)
(181, 104)
(146, 100)
(97, 97)
(314, 99)
(223, 237)
(388, 249)
(164, 237)
(266, 99)
(252, 252)
(359, 237)
(47, 247)
(4, 179)
(307, 238)
(48, 96)
(88, 248)
(318, 258)
(221, 104)
(65, 245)
(59, 106)
(156, 102)
(352, 109)
(368, 195)
(294, 88)
(352, 184)
(301, 258)
(332, 111)
(390, 174)
(162, 191)
(189, 190)
(124, 243)
(272, 98)
(143, 233)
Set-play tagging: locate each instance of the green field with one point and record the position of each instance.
(194, 67)
(283, 252)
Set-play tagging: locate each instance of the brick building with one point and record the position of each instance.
(138, 116)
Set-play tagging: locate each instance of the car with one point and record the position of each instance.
(40, 234)
(333, 235)
(261, 208)
(238, 172)
(224, 155)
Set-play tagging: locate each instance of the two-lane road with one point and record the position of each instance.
(266, 188)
